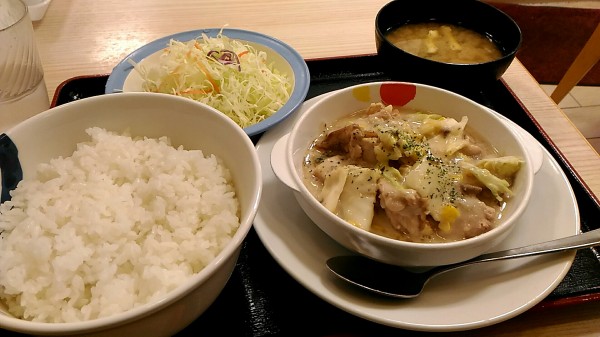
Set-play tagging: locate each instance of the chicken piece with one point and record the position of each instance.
(352, 140)
(471, 150)
(380, 111)
(475, 218)
(339, 140)
(368, 154)
(406, 210)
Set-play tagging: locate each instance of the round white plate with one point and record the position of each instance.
(467, 298)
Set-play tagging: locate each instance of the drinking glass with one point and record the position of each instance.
(23, 91)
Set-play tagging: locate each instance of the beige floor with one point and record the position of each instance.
(582, 105)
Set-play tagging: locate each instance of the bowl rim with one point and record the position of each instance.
(191, 283)
(502, 227)
(117, 77)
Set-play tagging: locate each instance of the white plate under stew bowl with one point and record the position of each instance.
(463, 299)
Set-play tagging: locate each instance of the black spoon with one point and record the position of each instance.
(395, 281)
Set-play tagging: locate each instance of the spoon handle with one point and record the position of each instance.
(583, 240)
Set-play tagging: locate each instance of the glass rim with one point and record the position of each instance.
(17, 20)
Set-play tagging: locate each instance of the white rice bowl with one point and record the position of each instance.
(118, 224)
(194, 126)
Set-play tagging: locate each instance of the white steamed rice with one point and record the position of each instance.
(118, 224)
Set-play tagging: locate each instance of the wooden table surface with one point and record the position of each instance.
(78, 37)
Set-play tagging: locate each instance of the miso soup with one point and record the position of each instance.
(444, 43)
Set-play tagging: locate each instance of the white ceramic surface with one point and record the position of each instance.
(186, 122)
(342, 102)
(467, 298)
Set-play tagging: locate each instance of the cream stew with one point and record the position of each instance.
(409, 175)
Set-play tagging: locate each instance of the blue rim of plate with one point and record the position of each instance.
(120, 72)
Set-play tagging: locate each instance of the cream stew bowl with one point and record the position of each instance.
(288, 152)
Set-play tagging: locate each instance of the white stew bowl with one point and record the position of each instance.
(187, 123)
(288, 155)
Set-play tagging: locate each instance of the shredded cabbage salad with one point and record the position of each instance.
(226, 74)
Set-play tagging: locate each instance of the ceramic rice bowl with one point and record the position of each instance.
(188, 123)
